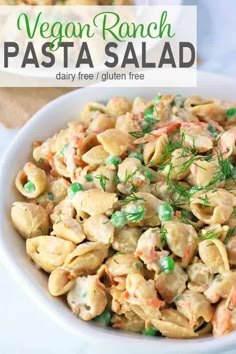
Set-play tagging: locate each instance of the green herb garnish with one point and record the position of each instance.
(102, 180)
(149, 116)
(135, 213)
(132, 198)
(229, 234)
(209, 235)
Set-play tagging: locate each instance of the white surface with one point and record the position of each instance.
(24, 328)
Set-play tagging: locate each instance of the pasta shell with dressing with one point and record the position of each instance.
(153, 151)
(199, 275)
(224, 320)
(231, 250)
(177, 169)
(202, 172)
(213, 207)
(60, 281)
(118, 105)
(195, 307)
(29, 219)
(43, 151)
(174, 324)
(172, 330)
(184, 246)
(109, 175)
(63, 210)
(99, 228)
(31, 174)
(69, 229)
(123, 264)
(101, 122)
(213, 254)
(146, 248)
(142, 297)
(134, 324)
(94, 201)
(95, 156)
(114, 141)
(48, 252)
(221, 286)
(170, 285)
(87, 297)
(126, 239)
(86, 258)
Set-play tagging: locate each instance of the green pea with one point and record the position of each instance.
(63, 149)
(103, 319)
(50, 196)
(148, 116)
(165, 212)
(150, 331)
(89, 178)
(29, 187)
(137, 155)
(119, 219)
(231, 113)
(113, 160)
(167, 264)
(73, 189)
(212, 130)
(147, 173)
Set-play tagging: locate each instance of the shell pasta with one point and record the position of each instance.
(131, 212)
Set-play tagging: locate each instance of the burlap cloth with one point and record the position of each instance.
(17, 105)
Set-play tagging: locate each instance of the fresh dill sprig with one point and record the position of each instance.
(183, 194)
(229, 234)
(129, 176)
(132, 198)
(137, 134)
(205, 201)
(163, 233)
(102, 180)
(209, 235)
(135, 213)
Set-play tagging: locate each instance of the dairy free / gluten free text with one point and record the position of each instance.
(107, 23)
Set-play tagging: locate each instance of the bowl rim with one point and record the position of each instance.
(99, 334)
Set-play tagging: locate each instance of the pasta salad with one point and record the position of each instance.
(131, 210)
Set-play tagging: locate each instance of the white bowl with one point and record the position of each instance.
(12, 247)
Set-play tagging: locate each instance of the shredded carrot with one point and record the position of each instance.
(118, 325)
(168, 128)
(155, 302)
(186, 256)
(232, 298)
(178, 213)
(37, 143)
(126, 295)
(221, 327)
